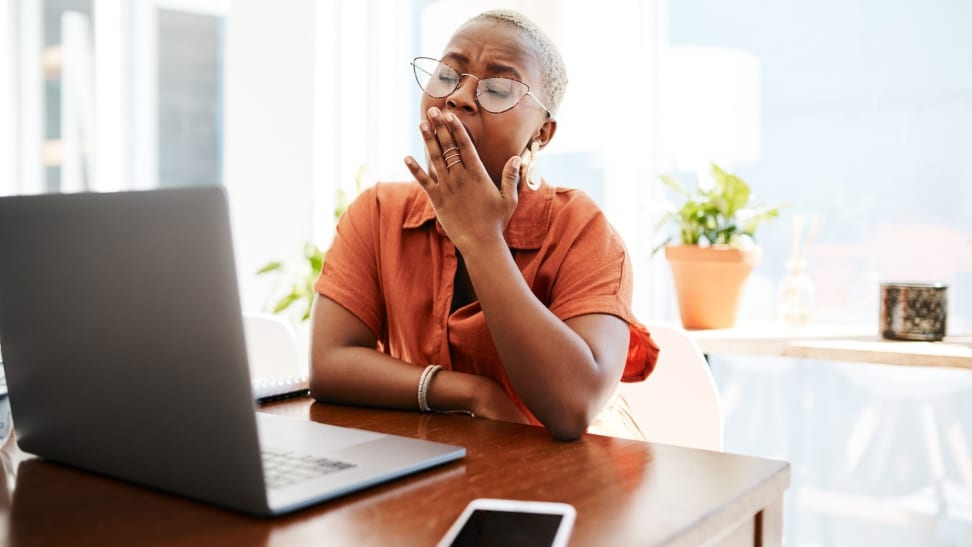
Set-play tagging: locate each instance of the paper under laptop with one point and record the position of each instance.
(277, 370)
(124, 350)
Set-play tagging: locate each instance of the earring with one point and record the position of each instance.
(533, 184)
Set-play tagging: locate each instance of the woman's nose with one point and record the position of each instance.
(464, 96)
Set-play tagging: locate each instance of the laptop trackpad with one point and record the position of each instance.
(303, 436)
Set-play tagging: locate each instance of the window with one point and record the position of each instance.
(866, 117)
(113, 95)
(190, 109)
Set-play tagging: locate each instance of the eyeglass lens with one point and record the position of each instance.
(494, 94)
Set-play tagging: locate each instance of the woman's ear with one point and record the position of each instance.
(546, 132)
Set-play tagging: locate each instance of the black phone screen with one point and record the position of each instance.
(508, 528)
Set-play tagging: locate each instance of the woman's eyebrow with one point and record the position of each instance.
(492, 68)
(497, 68)
(458, 57)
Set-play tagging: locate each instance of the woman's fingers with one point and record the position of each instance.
(443, 132)
(511, 177)
(442, 150)
(436, 165)
(423, 178)
(462, 141)
(449, 147)
(444, 154)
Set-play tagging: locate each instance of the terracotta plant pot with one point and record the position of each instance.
(709, 282)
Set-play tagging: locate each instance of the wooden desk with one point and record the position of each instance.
(626, 493)
(833, 343)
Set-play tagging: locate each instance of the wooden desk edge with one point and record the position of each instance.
(750, 506)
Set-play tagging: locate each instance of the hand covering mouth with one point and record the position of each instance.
(465, 126)
(468, 132)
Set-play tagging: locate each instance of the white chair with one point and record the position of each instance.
(271, 347)
(678, 403)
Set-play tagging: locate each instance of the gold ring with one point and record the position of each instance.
(446, 151)
(450, 156)
(448, 165)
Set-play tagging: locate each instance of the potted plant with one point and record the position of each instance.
(716, 251)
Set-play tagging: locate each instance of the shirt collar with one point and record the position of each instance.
(527, 228)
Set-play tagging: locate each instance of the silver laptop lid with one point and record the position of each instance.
(123, 342)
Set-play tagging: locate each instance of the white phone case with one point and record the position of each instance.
(566, 511)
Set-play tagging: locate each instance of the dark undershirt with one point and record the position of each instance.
(462, 292)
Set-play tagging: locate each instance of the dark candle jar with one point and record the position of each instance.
(913, 311)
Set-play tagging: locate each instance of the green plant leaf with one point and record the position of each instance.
(714, 214)
(670, 182)
(315, 258)
(661, 246)
(286, 302)
(270, 267)
(755, 216)
(307, 309)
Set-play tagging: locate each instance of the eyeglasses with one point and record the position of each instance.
(496, 95)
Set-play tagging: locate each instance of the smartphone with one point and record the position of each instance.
(511, 523)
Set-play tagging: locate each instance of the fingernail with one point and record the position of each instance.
(516, 162)
(433, 112)
(424, 126)
(450, 117)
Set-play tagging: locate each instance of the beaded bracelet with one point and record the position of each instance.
(423, 386)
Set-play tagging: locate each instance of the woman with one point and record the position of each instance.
(478, 290)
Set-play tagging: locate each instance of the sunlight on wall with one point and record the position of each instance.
(269, 165)
(709, 108)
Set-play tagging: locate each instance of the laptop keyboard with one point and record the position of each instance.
(282, 468)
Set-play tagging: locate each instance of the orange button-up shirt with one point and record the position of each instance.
(393, 267)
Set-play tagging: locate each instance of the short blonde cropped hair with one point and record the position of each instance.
(554, 71)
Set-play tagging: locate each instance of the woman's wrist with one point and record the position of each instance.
(450, 391)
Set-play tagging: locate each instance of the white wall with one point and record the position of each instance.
(7, 93)
(111, 92)
(269, 134)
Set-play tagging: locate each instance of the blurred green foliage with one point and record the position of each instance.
(298, 277)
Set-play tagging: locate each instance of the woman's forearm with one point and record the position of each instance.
(362, 376)
(346, 368)
(366, 377)
(552, 368)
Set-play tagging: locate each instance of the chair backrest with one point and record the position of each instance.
(679, 402)
(271, 346)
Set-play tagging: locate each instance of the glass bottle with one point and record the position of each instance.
(796, 294)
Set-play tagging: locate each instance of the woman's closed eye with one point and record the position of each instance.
(500, 88)
(448, 79)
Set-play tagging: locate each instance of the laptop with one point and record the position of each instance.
(124, 351)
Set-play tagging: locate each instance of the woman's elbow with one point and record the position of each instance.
(318, 393)
(320, 386)
(317, 390)
(570, 425)
(567, 435)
